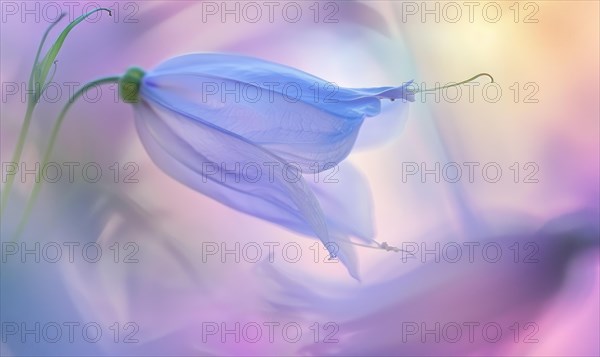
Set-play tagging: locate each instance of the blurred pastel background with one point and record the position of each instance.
(546, 52)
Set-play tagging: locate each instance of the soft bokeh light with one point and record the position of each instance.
(544, 57)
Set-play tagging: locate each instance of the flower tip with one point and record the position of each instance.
(386, 246)
(407, 96)
(62, 15)
(105, 9)
(485, 74)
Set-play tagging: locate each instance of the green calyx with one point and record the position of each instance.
(129, 85)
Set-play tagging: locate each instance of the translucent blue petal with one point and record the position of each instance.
(345, 198)
(198, 154)
(385, 128)
(301, 118)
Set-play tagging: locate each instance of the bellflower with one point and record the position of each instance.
(243, 131)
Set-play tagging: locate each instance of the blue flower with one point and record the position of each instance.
(244, 131)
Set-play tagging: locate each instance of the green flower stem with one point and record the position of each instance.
(31, 102)
(17, 154)
(37, 82)
(38, 182)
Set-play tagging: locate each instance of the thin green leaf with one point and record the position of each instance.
(33, 77)
(46, 63)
